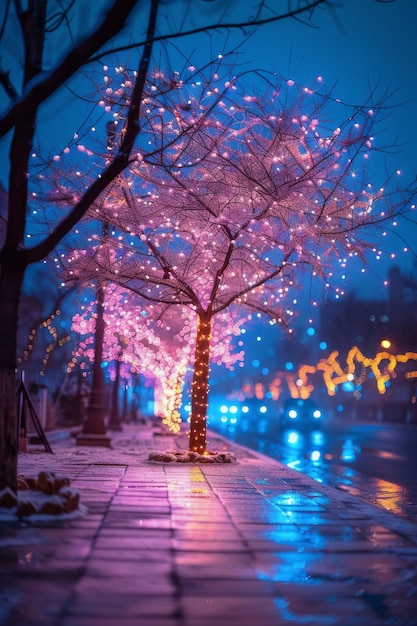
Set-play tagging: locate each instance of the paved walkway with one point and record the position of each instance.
(250, 544)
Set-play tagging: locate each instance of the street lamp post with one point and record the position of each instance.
(114, 420)
(94, 428)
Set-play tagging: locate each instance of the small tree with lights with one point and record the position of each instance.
(157, 342)
(252, 195)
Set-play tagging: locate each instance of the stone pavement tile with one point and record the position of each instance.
(89, 522)
(136, 568)
(234, 620)
(346, 602)
(410, 550)
(346, 545)
(258, 515)
(197, 509)
(113, 605)
(269, 478)
(317, 537)
(121, 620)
(95, 508)
(121, 534)
(111, 553)
(284, 531)
(133, 581)
(202, 565)
(184, 518)
(395, 604)
(33, 600)
(146, 509)
(92, 482)
(118, 515)
(322, 537)
(301, 518)
(31, 621)
(201, 522)
(60, 531)
(137, 519)
(381, 566)
(135, 541)
(273, 491)
(131, 492)
(262, 546)
(232, 487)
(205, 532)
(285, 567)
(194, 545)
(351, 514)
(245, 610)
(294, 499)
(381, 535)
(153, 481)
(195, 501)
(131, 495)
(247, 504)
(330, 603)
(64, 556)
(104, 470)
(221, 587)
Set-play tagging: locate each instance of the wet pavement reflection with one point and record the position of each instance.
(345, 456)
(251, 543)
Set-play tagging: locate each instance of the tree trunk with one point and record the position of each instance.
(94, 424)
(200, 386)
(11, 277)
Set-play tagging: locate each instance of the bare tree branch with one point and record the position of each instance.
(113, 22)
(257, 21)
(41, 89)
(116, 165)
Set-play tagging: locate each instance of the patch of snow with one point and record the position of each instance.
(187, 456)
(42, 498)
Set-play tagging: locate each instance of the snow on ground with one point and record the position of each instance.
(47, 495)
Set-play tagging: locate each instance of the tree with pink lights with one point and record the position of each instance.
(44, 46)
(154, 340)
(252, 194)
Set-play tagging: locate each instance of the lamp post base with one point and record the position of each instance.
(102, 441)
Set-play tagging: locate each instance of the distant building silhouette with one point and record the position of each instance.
(365, 323)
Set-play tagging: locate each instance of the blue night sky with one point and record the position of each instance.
(363, 44)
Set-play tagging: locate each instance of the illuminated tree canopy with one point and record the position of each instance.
(236, 198)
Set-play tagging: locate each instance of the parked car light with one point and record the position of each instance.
(301, 412)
